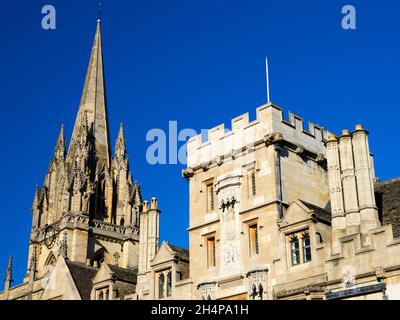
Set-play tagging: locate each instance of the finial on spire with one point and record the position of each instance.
(121, 131)
(99, 13)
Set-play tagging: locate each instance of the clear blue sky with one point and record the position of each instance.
(200, 63)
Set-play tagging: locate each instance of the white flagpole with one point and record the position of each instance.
(267, 78)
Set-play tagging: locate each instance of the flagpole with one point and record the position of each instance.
(267, 78)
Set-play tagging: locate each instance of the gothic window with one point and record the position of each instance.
(306, 247)
(101, 295)
(169, 284)
(122, 222)
(161, 281)
(50, 262)
(210, 197)
(211, 261)
(295, 251)
(253, 239)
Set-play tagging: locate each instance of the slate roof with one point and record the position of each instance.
(183, 262)
(126, 275)
(183, 254)
(321, 214)
(82, 276)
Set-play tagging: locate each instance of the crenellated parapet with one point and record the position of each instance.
(223, 143)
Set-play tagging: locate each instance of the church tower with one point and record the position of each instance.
(88, 207)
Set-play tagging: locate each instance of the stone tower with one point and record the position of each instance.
(88, 207)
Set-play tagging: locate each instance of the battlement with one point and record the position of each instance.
(269, 119)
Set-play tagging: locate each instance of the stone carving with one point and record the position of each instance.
(257, 283)
(349, 279)
(86, 197)
(63, 246)
(207, 290)
(228, 192)
(116, 256)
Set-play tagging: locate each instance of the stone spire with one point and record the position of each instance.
(59, 151)
(93, 102)
(137, 195)
(36, 198)
(120, 144)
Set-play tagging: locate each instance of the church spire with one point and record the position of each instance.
(93, 103)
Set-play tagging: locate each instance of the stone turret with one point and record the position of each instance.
(148, 243)
(351, 178)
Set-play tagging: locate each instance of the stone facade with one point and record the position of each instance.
(305, 199)
(276, 212)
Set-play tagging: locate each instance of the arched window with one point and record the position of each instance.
(101, 295)
(161, 282)
(50, 262)
(294, 248)
(122, 222)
